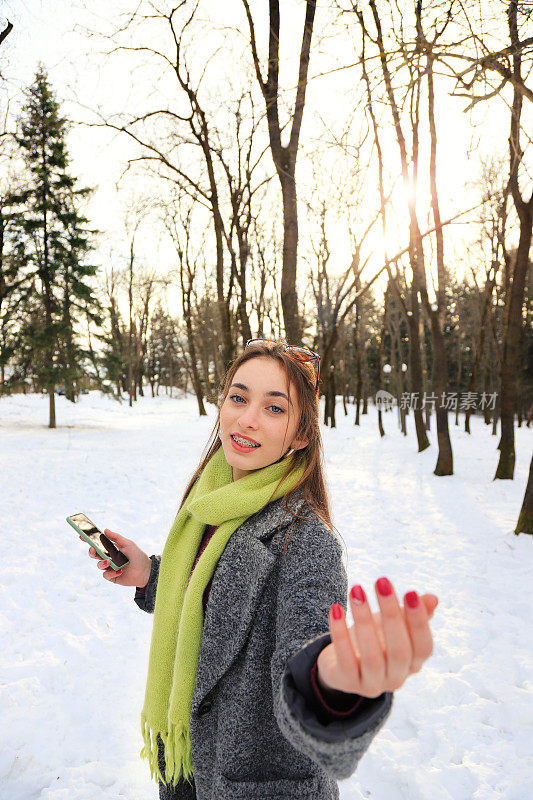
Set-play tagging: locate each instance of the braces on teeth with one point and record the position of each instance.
(244, 442)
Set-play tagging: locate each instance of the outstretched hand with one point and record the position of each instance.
(380, 650)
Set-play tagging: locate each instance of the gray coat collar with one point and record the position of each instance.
(265, 522)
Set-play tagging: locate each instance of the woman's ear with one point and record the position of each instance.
(298, 444)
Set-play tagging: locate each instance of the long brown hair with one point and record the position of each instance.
(302, 376)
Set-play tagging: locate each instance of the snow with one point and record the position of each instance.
(75, 647)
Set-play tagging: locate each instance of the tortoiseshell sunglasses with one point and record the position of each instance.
(301, 353)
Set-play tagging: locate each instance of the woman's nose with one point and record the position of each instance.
(249, 418)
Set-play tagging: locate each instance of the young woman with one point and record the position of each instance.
(257, 687)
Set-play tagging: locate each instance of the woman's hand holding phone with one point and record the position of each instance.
(136, 573)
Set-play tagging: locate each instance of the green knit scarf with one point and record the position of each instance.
(215, 499)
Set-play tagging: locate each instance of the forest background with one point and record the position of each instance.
(354, 177)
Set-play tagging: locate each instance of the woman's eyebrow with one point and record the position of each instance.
(267, 394)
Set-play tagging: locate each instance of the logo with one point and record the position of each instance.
(384, 400)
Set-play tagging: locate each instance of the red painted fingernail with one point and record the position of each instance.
(336, 611)
(411, 598)
(358, 594)
(384, 587)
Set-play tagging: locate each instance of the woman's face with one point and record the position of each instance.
(257, 409)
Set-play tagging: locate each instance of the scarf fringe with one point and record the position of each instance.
(178, 759)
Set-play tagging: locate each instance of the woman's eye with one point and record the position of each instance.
(237, 398)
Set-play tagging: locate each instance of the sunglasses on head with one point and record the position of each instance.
(298, 353)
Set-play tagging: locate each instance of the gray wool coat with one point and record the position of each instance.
(254, 729)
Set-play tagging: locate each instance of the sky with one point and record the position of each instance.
(84, 78)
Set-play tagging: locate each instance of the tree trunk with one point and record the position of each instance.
(52, 407)
(327, 396)
(480, 346)
(495, 417)
(332, 397)
(459, 375)
(486, 389)
(344, 384)
(195, 376)
(289, 300)
(511, 345)
(49, 358)
(285, 157)
(358, 371)
(415, 241)
(379, 360)
(525, 518)
(425, 380)
(396, 358)
(415, 369)
(330, 339)
(222, 303)
(444, 464)
(191, 346)
(514, 295)
(242, 313)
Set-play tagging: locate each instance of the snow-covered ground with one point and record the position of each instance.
(75, 647)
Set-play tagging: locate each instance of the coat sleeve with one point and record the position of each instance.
(304, 670)
(145, 599)
(312, 577)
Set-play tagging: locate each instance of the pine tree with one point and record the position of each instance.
(56, 242)
(15, 295)
(113, 359)
(78, 300)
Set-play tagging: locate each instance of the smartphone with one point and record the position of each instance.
(103, 546)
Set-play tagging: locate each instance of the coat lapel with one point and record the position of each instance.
(240, 576)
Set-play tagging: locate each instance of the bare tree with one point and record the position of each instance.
(516, 277)
(284, 157)
(117, 343)
(410, 308)
(178, 223)
(239, 162)
(511, 66)
(197, 130)
(147, 285)
(135, 214)
(266, 267)
(492, 234)
(336, 297)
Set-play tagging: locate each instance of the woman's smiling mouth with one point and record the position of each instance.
(243, 445)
